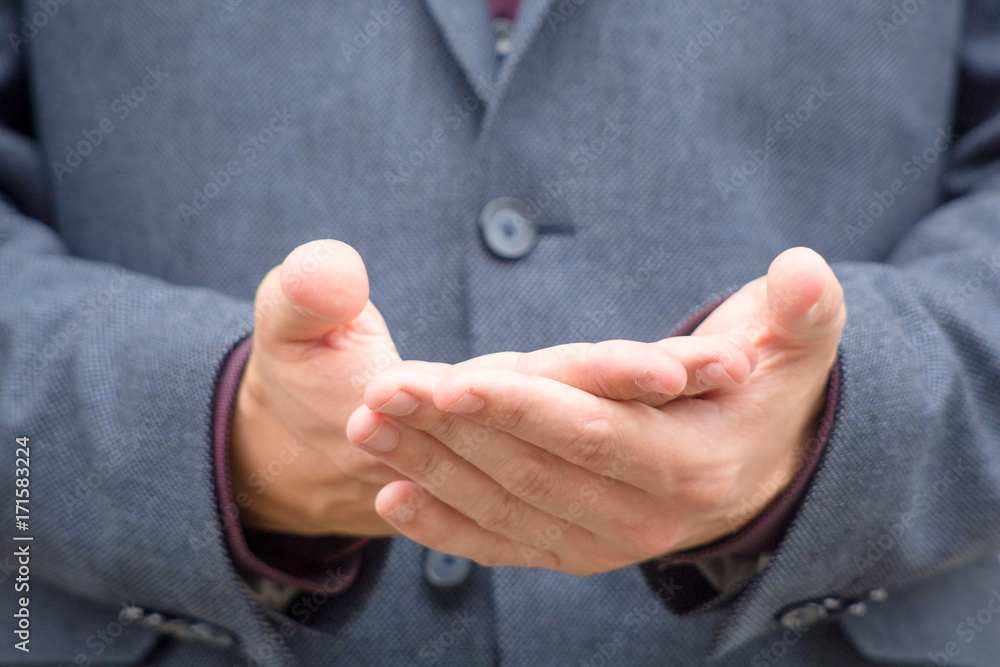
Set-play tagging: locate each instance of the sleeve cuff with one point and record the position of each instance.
(763, 533)
(328, 563)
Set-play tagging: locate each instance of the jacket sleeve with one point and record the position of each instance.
(909, 486)
(110, 376)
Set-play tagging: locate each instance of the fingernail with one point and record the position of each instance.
(712, 374)
(402, 513)
(400, 405)
(383, 439)
(651, 385)
(468, 403)
(813, 314)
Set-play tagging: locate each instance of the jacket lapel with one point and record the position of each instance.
(468, 33)
(530, 17)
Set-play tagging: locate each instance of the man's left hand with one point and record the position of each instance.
(513, 469)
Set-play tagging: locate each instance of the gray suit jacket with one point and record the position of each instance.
(157, 158)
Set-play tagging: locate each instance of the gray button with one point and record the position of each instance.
(506, 228)
(444, 570)
(206, 633)
(803, 616)
(178, 627)
(502, 32)
(832, 604)
(878, 595)
(857, 609)
(131, 614)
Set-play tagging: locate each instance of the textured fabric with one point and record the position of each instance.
(303, 561)
(680, 145)
(291, 560)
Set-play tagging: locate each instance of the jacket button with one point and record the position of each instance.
(857, 609)
(804, 616)
(506, 229)
(878, 595)
(443, 570)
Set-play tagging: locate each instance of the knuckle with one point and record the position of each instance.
(529, 478)
(448, 429)
(509, 420)
(594, 444)
(502, 514)
(422, 462)
(511, 412)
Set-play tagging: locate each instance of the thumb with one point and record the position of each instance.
(320, 285)
(804, 299)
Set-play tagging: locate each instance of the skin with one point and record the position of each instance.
(319, 341)
(495, 458)
(581, 458)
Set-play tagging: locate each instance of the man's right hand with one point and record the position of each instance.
(317, 340)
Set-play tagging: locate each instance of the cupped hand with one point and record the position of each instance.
(509, 468)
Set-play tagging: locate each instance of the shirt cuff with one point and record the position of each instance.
(765, 531)
(761, 536)
(327, 563)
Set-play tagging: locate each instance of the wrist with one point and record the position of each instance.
(256, 460)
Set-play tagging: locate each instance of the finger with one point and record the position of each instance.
(423, 518)
(622, 369)
(712, 361)
(449, 477)
(615, 369)
(805, 301)
(320, 285)
(524, 470)
(606, 437)
(619, 370)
